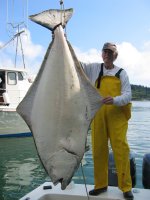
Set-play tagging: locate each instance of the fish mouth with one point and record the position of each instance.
(58, 181)
(61, 181)
(63, 185)
(61, 171)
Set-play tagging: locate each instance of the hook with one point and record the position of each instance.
(61, 2)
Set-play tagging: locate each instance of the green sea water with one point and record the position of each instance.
(20, 167)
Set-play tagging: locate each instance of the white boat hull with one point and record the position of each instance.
(8, 108)
(79, 192)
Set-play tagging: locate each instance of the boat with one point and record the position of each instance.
(14, 84)
(47, 191)
(12, 125)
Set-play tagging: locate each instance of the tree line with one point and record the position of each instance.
(140, 92)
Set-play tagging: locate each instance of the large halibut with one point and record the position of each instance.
(60, 104)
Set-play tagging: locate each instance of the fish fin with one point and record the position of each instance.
(51, 18)
(91, 92)
(25, 106)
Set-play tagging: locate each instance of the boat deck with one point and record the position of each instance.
(78, 192)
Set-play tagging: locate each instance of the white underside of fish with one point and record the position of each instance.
(59, 108)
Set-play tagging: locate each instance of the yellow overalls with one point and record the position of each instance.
(111, 123)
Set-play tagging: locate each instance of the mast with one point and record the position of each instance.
(15, 26)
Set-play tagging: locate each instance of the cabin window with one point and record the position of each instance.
(25, 75)
(20, 76)
(12, 78)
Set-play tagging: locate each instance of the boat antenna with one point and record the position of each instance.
(12, 25)
(16, 35)
(11, 17)
(19, 38)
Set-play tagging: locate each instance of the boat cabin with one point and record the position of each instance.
(14, 83)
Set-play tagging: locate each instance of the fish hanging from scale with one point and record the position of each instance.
(60, 104)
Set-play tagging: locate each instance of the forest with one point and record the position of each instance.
(140, 92)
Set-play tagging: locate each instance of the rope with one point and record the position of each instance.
(27, 13)
(13, 7)
(62, 7)
(6, 13)
(84, 181)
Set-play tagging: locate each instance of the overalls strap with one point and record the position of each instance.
(99, 76)
(118, 73)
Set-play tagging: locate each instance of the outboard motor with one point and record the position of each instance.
(112, 172)
(146, 171)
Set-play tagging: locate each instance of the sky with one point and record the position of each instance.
(94, 22)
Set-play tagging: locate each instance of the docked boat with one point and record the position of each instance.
(16, 135)
(12, 125)
(48, 191)
(14, 84)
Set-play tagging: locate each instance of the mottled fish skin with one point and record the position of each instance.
(60, 104)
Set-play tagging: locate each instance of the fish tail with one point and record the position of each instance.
(52, 18)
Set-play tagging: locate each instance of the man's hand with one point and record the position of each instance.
(107, 100)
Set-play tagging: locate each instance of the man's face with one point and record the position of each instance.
(108, 56)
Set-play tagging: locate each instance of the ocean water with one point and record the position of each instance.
(20, 167)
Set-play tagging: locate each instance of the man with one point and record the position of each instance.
(111, 121)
